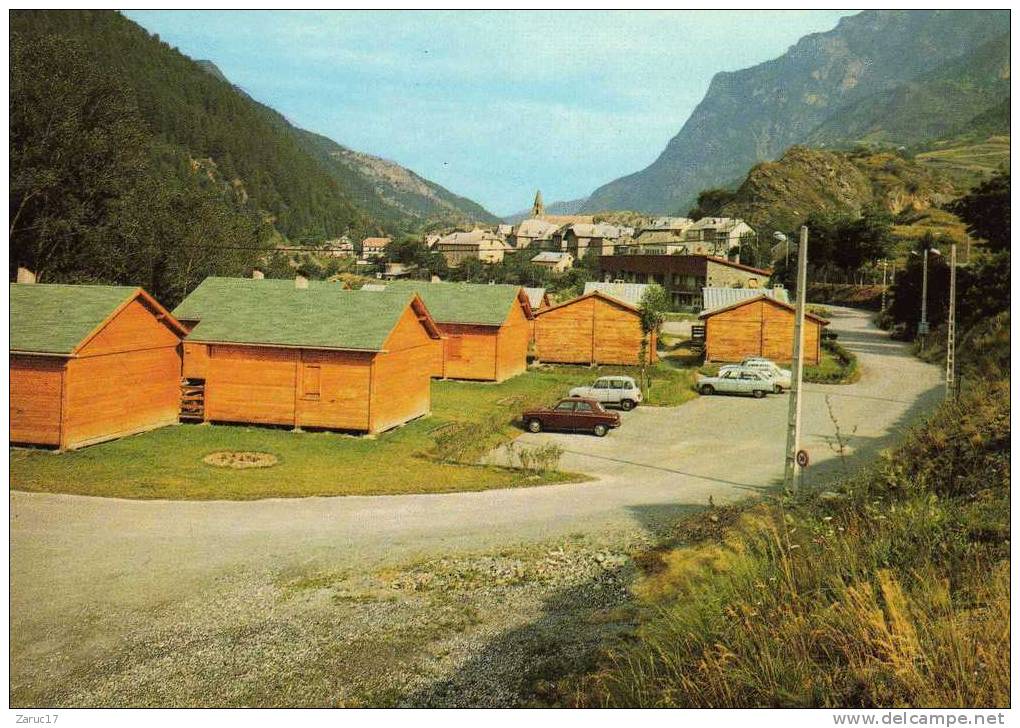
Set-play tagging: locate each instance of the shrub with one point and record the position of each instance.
(538, 458)
(838, 366)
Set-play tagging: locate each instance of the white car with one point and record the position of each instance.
(782, 377)
(618, 390)
(737, 380)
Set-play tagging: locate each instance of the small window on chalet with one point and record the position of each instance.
(311, 381)
(454, 347)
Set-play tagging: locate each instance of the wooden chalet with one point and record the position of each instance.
(486, 328)
(759, 326)
(270, 352)
(591, 329)
(90, 363)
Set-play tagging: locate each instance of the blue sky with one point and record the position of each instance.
(491, 105)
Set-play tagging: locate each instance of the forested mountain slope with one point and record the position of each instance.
(131, 163)
(252, 148)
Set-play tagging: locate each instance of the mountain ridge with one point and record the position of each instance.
(754, 114)
(380, 185)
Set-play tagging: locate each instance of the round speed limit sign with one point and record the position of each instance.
(802, 458)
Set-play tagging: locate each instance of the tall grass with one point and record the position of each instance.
(891, 591)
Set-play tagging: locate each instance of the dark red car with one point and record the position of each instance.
(574, 414)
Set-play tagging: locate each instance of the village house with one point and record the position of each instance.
(671, 224)
(662, 242)
(485, 328)
(374, 247)
(482, 245)
(718, 234)
(683, 276)
(341, 247)
(535, 233)
(758, 325)
(306, 355)
(583, 238)
(90, 363)
(592, 329)
(557, 262)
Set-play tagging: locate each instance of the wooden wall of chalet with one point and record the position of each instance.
(36, 390)
(126, 379)
(483, 353)
(760, 327)
(401, 381)
(342, 390)
(512, 345)
(469, 351)
(592, 329)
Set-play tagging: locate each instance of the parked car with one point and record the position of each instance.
(622, 391)
(572, 414)
(737, 380)
(782, 377)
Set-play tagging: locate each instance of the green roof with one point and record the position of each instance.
(51, 318)
(214, 292)
(463, 303)
(276, 313)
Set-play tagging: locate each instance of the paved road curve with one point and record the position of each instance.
(70, 550)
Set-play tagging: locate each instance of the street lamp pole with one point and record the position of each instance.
(951, 324)
(793, 417)
(922, 326)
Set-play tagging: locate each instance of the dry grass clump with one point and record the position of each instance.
(240, 460)
(892, 592)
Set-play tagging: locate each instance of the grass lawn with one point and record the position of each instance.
(167, 463)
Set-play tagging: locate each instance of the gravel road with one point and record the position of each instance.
(92, 578)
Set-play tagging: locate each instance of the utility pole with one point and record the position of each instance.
(922, 326)
(885, 264)
(793, 418)
(951, 324)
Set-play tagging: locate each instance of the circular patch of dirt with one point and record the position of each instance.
(240, 460)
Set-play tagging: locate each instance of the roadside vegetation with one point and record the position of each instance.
(838, 365)
(891, 588)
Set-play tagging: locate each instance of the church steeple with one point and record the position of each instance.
(538, 209)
